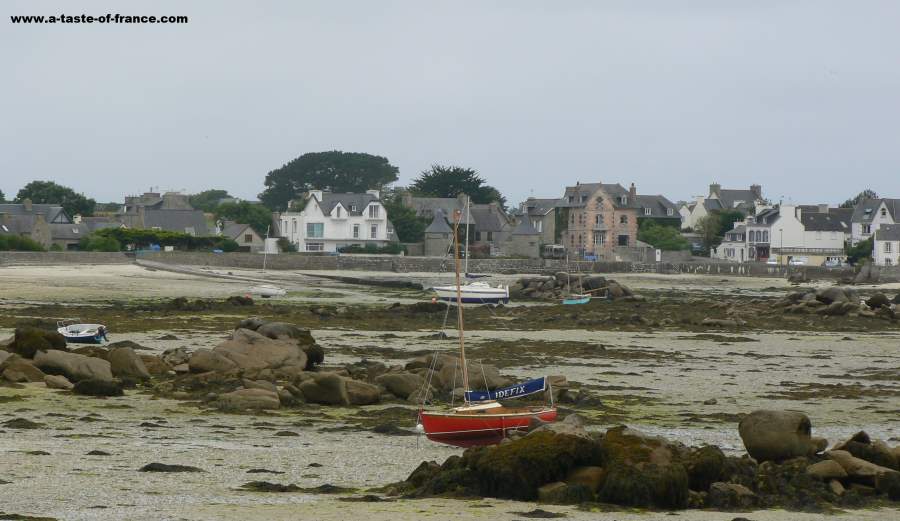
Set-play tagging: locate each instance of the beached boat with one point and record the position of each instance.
(82, 333)
(476, 292)
(268, 290)
(482, 419)
(574, 299)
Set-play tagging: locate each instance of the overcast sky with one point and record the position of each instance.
(802, 97)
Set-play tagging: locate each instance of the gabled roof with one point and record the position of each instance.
(51, 212)
(68, 231)
(766, 217)
(657, 204)
(865, 210)
(488, 218)
(730, 198)
(182, 221)
(538, 207)
(585, 190)
(439, 224)
(824, 222)
(233, 230)
(888, 232)
(525, 228)
(428, 206)
(347, 200)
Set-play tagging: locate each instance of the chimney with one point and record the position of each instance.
(823, 208)
(757, 191)
(374, 193)
(27, 204)
(632, 192)
(714, 189)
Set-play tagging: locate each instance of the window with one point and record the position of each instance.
(356, 231)
(571, 198)
(538, 225)
(765, 236)
(598, 220)
(74, 230)
(648, 211)
(623, 240)
(624, 199)
(353, 208)
(478, 236)
(373, 231)
(584, 198)
(884, 212)
(867, 229)
(623, 219)
(315, 246)
(373, 211)
(887, 247)
(888, 262)
(315, 230)
(669, 211)
(248, 237)
(338, 210)
(600, 238)
(490, 236)
(295, 226)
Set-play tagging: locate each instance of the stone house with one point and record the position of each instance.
(46, 224)
(600, 218)
(170, 211)
(542, 214)
(243, 234)
(747, 202)
(489, 226)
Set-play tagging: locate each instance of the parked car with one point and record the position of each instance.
(798, 261)
(833, 263)
(773, 260)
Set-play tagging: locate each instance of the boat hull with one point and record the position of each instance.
(474, 296)
(472, 430)
(576, 300)
(96, 339)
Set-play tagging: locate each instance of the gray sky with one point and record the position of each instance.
(799, 96)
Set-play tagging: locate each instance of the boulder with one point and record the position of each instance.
(857, 467)
(125, 363)
(591, 477)
(831, 295)
(560, 493)
(826, 470)
(878, 300)
(401, 385)
(18, 369)
(251, 350)
(176, 356)
(480, 376)
(705, 466)
(248, 399)
(259, 384)
(206, 360)
(155, 365)
(888, 483)
(361, 393)
(57, 382)
(427, 361)
(252, 323)
(730, 496)
(282, 330)
(326, 389)
(73, 366)
(572, 425)
(27, 341)
(776, 435)
(98, 387)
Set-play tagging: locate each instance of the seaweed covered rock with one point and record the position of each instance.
(730, 496)
(788, 485)
(27, 341)
(326, 389)
(98, 387)
(248, 400)
(704, 466)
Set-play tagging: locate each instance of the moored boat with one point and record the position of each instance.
(82, 333)
(574, 299)
(476, 292)
(268, 290)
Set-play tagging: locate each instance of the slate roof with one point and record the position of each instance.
(538, 207)
(525, 228)
(888, 232)
(68, 232)
(824, 222)
(730, 197)
(865, 210)
(586, 190)
(51, 212)
(100, 223)
(347, 200)
(233, 230)
(428, 206)
(769, 215)
(439, 224)
(488, 218)
(182, 221)
(658, 205)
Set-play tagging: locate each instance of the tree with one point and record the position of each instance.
(256, 215)
(2, 197)
(335, 171)
(207, 200)
(450, 181)
(727, 218)
(660, 236)
(48, 192)
(708, 228)
(19, 243)
(868, 193)
(407, 226)
(861, 251)
(95, 242)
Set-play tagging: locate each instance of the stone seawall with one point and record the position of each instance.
(55, 258)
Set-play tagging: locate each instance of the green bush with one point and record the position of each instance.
(861, 252)
(56, 247)
(17, 243)
(142, 239)
(661, 236)
(95, 242)
(286, 245)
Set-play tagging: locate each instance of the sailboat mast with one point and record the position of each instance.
(459, 310)
(468, 202)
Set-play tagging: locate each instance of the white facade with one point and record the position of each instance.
(863, 228)
(349, 222)
(886, 247)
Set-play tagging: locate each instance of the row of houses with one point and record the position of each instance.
(50, 226)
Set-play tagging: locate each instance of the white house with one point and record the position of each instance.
(886, 247)
(871, 214)
(330, 221)
(734, 245)
(720, 199)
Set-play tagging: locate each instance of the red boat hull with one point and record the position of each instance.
(471, 430)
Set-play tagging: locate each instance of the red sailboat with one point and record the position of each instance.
(482, 419)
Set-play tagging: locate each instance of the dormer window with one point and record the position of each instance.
(373, 211)
(648, 211)
(584, 198)
(624, 199)
(353, 208)
(669, 211)
(884, 212)
(571, 198)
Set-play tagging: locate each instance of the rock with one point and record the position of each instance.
(831, 295)
(572, 425)
(326, 389)
(889, 483)
(560, 493)
(27, 341)
(265, 486)
(856, 467)
(182, 368)
(730, 496)
(252, 323)
(438, 361)
(361, 393)
(279, 330)
(98, 387)
(206, 360)
(58, 382)
(73, 366)
(97, 453)
(18, 369)
(155, 365)
(878, 300)
(162, 467)
(176, 356)
(591, 477)
(450, 377)
(133, 345)
(247, 400)
(721, 322)
(836, 487)
(826, 470)
(705, 466)
(125, 363)
(711, 401)
(401, 385)
(251, 350)
(776, 435)
(876, 452)
(22, 423)
(259, 384)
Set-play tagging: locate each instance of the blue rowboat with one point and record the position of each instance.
(576, 299)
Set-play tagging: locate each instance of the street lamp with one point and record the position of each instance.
(781, 242)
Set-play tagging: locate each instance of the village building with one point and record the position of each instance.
(886, 246)
(325, 221)
(170, 211)
(869, 215)
(489, 226)
(46, 224)
(542, 215)
(600, 218)
(748, 202)
(244, 235)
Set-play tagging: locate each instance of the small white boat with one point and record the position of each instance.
(476, 292)
(82, 333)
(268, 290)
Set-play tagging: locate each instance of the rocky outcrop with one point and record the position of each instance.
(777, 435)
(57, 382)
(73, 366)
(326, 389)
(248, 400)
(557, 286)
(250, 350)
(125, 363)
(28, 341)
(205, 360)
(315, 355)
(14, 368)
